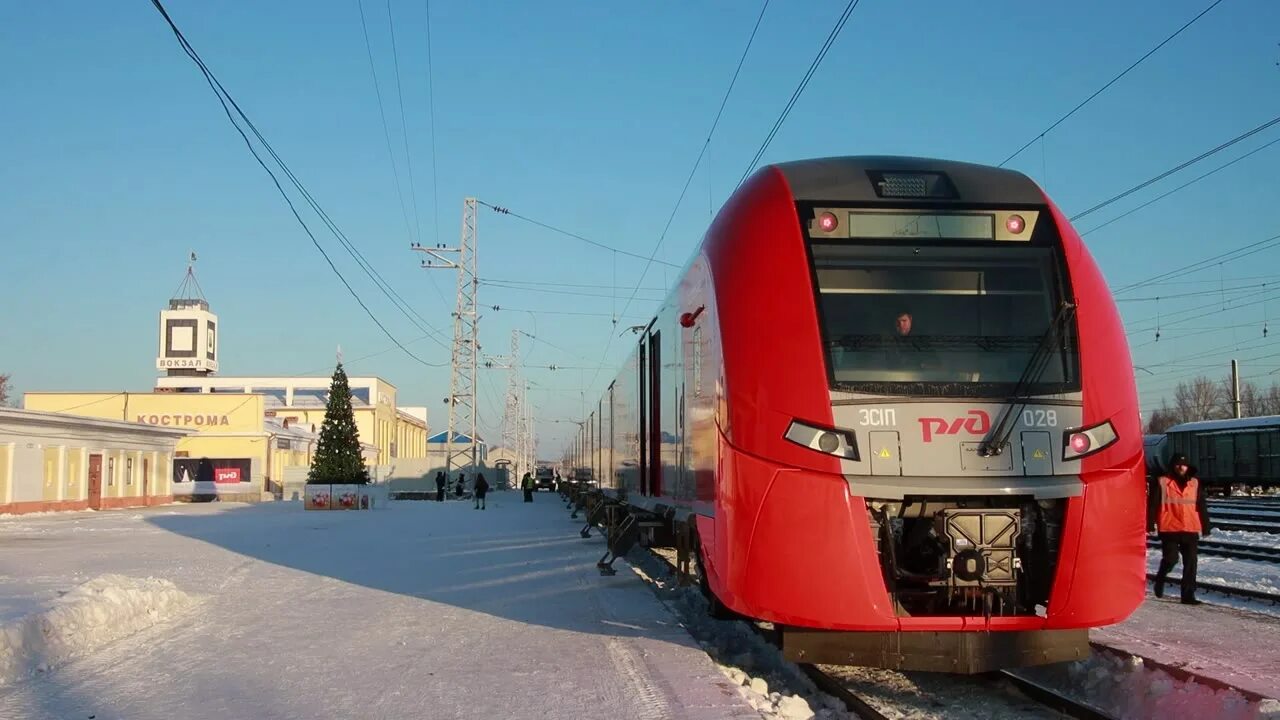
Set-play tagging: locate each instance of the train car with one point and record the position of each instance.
(889, 407)
(1155, 450)
(1234, 453)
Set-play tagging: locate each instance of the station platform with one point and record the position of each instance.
(1237, 648)
(413, 610)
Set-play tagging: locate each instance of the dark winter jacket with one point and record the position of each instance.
(482, 485)
(1153, 497)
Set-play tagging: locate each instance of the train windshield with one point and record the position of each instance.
(942, 320)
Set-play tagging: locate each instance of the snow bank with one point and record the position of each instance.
(88, 616)
(773, 685)
(1124, 686)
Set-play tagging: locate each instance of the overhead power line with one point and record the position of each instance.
(522, 288)
(715, 122)
(561, 284)
(431, 115)
(804, 83)
(1183, 186)
(1110, 82)
(228, 102)
(1177, 168)
(382, 113)
(404, 126)
(1228, 256)
(507, 211)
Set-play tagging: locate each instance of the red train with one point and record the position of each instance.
(889, 407)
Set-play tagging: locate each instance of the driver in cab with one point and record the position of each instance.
(904, 353)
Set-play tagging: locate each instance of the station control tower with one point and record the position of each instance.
(188, 331)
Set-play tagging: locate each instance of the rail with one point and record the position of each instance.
(1236, 551)
(865, 709)
(1225, 589)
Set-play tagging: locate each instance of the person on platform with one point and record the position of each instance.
(526, 484)
(440, 482)
(481, 487)
(1177, 511)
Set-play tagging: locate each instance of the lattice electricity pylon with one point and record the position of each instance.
(466, 348)
(513, 431)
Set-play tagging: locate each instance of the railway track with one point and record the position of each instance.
(1237, 551)
(1223, 522)
(1231, 590)
(1233, 514)
(1018, 696)
(1264, 506)
(1045, 697)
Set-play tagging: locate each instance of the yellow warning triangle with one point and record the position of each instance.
(884, 453)
(1038, 455)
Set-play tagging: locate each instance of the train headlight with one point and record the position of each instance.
(829, 441)
(1082, 442)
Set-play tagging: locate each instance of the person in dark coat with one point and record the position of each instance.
(526, 484)
(461, 485)
(481, 487)
(1177, 511)
(440, 482)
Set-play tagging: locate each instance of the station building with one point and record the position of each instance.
(51, 461)
(395, 432)
(240, 436)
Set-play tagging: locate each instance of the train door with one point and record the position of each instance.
(642, 430)
(654, 427)
(613, 472)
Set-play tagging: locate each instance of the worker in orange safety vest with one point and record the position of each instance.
(1176, 509)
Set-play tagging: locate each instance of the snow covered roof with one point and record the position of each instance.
(1227, 425)
(298, 430)
(440, 437)
(17, 416)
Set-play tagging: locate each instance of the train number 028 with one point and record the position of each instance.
(878, 417)
(1040, 418)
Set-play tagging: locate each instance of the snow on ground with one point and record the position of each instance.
(1248, 574)
(1204, 641)
(416, 609)
(84, 618)
(1244, 537)
(1238, 648)
(1123, 687)
(767, 679)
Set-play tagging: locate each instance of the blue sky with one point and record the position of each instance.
(116, 160)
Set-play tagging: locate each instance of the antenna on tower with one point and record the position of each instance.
(189, 282)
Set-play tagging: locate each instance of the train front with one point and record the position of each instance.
(929, 422)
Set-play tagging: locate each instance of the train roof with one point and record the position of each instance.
(1227, 425)
(855, 179)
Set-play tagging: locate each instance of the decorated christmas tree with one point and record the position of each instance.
(338, 459)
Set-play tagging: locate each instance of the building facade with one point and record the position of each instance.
(229, 448)
(396, 433)
(52, 461)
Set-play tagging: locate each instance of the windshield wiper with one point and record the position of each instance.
(994, 443)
